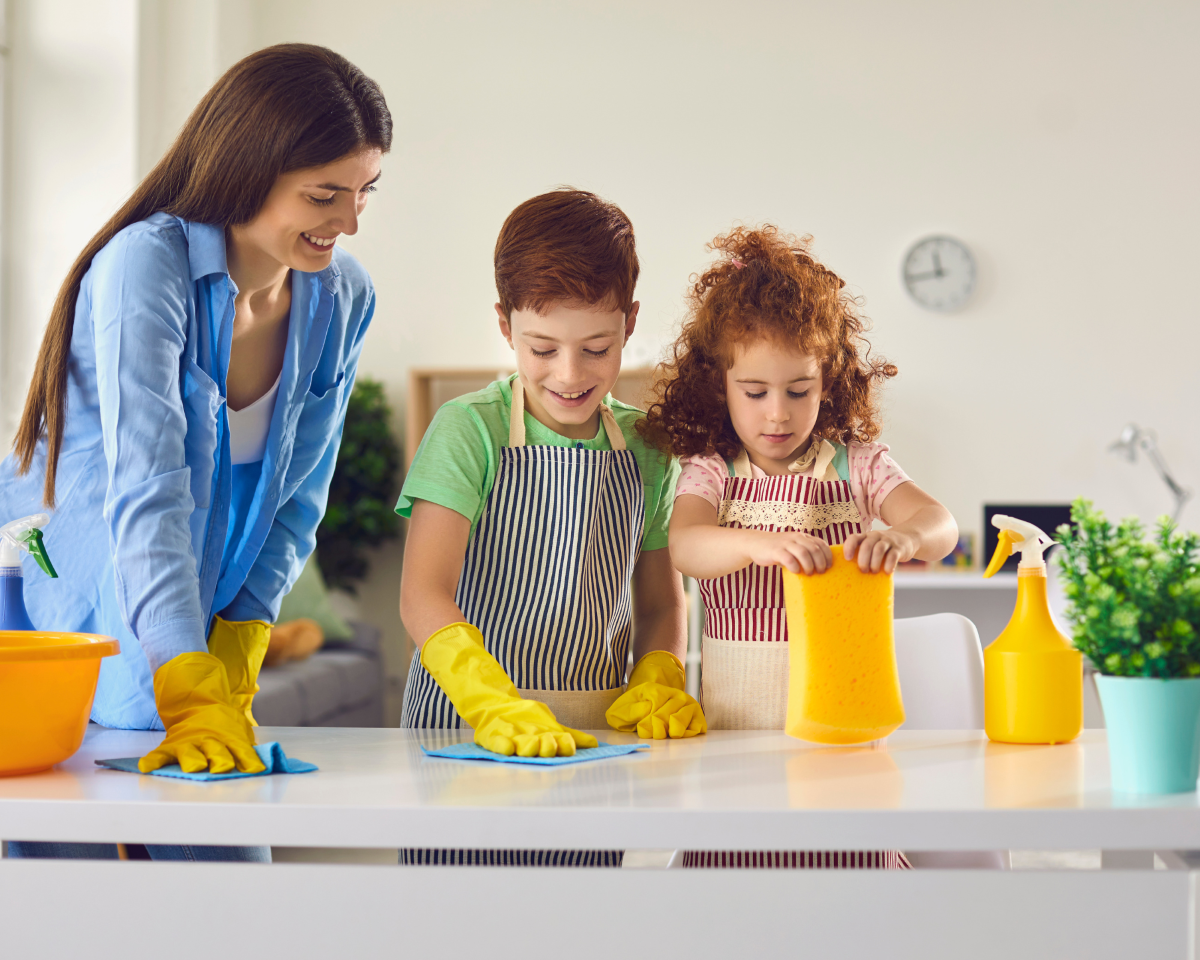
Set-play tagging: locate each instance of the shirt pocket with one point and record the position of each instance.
(318, 422)
(201, 410)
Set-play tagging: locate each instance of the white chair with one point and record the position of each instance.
(940, 661)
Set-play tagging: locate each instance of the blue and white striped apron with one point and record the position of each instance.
(547, 580)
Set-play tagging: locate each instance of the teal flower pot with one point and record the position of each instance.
(1153, 733)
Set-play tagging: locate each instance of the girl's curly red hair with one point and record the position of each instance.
(767, 284)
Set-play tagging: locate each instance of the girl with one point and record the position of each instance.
(770, 401)
(186, 409)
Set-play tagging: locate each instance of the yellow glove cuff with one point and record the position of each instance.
(457, 659)
(659, 666)
(241, 645)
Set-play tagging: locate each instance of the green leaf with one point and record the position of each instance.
(362, 494)
(1133, 602)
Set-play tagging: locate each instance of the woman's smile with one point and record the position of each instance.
(319, 243)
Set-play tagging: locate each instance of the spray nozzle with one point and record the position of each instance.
(25, 534)
(1018, 535)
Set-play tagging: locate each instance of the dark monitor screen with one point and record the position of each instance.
(1048, 516)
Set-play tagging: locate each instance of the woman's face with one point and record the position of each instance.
(774, 395)
(307, 210)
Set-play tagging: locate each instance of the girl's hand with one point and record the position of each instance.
(880, 549)
(798, 552)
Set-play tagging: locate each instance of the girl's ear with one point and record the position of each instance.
(505, 326)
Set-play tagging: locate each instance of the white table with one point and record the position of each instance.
(727, 790)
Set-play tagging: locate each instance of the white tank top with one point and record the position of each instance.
(248, 427)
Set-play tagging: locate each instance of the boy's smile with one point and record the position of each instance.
(568, 359)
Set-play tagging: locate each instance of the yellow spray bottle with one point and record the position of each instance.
(1033, 676)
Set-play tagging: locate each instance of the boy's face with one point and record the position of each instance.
(568, 358)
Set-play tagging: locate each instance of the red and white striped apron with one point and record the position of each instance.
(744, 675)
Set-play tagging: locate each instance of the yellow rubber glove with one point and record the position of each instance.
(486, 698)
(205, 728)
(655, 703)
(241, 646)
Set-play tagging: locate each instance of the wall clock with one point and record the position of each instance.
(939, 273)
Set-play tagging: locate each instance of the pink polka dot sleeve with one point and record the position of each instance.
(873, 475)
(702, 477)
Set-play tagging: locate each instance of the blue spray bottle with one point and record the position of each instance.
(24, 534)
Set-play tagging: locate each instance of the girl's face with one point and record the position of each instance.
(774, 394)
(307, 210)
(568, 358)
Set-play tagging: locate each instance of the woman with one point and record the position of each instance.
(188, 400)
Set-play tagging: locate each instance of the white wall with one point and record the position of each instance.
(183, 46)
(69, 160)
(1059, 140)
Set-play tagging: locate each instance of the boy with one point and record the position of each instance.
(538, 518)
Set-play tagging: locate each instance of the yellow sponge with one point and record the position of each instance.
(844, 686)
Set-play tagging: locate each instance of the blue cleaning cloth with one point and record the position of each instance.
(271, 754)
(471, 751)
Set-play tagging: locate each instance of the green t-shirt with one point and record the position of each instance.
(455, 465)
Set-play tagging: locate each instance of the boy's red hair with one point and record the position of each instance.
(565, 246)
(768, 285)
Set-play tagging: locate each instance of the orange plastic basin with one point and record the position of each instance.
(47, 683)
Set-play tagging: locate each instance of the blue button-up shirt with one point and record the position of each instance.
(146, 537)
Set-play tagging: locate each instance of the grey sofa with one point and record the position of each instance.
(341, 685)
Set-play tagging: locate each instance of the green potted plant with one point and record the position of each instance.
(361, 511)
(1134, 606)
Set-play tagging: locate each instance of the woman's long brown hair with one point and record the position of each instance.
(284, 108)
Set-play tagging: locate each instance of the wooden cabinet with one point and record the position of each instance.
(429, 388)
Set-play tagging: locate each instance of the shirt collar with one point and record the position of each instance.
(206, 249)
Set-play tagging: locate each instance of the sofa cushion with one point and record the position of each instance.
(318, 690)
(278, 702)
(364, 638)
(358, 677)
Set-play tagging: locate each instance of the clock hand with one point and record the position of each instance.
(923, 276)
(937, 265)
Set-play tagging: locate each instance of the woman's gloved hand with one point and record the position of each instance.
(241, 646)
(655, 703)
(205, 728)
(486, 698)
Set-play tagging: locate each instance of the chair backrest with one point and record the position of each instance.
(940, 661)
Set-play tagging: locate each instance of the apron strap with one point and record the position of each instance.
(516, 420)
(824, 469)
(820, 454)
(516, 415)
(616, 439)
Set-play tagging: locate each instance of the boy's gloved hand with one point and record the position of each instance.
(655, 704)
(241, 646)
(205, 728)
(486, 698)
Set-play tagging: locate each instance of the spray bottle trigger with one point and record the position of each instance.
(33, 541)
(1004, 550)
